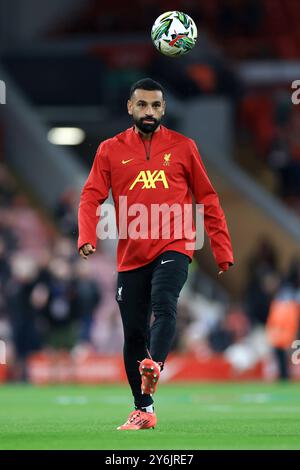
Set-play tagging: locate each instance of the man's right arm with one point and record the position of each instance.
(95, 192)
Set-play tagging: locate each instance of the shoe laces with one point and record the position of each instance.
(159, 363)
(133, 416)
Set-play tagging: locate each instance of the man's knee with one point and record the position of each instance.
(135, 336)
(164, 303)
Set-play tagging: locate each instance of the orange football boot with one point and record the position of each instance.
(150, 372)
(139, 420)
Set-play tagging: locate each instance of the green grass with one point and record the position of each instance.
(193, 416)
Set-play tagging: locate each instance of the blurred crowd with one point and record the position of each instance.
(270, 123)
(229, 31)
(47, 296)
(51, 300)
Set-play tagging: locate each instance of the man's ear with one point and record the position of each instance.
(164, 108)
(129, 107)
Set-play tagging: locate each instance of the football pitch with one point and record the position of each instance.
(190, 416)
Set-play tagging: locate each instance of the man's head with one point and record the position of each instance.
(146, 104)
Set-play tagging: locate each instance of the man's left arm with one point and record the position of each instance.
(214, 218)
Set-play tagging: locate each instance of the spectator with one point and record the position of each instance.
(60, 316)
(66, 214)
(22, 314)
(262, 283)
(283, 320)
(87, 296)
(233, 328)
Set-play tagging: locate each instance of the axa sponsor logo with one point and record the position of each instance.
(149, 179)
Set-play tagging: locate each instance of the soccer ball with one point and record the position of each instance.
(174, 33)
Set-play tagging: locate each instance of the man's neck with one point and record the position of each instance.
(145, 136)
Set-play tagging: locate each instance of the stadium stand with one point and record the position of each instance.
(222, 329)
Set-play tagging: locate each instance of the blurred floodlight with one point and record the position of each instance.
(66, 136)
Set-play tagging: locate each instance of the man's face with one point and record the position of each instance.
(146, 108)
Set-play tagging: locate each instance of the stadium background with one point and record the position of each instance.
(70, 64)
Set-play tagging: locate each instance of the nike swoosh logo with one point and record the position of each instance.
(126, 161)
(167, 261)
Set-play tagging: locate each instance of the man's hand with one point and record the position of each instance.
(86, 250)
(223, 267)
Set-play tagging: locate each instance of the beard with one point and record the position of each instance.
(146, 127)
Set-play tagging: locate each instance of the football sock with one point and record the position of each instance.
(148, 409)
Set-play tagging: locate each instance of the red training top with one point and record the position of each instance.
(166, 171)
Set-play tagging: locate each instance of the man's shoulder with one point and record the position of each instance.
(108, 142)
(177, 136)
(116, 139)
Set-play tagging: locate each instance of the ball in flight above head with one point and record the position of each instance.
(174, 33)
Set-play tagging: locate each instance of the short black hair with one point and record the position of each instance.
(146, 84)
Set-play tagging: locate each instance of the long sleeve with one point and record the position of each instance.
(94, 193)
(214, 218)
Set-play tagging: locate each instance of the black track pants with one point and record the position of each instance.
(151, 288)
